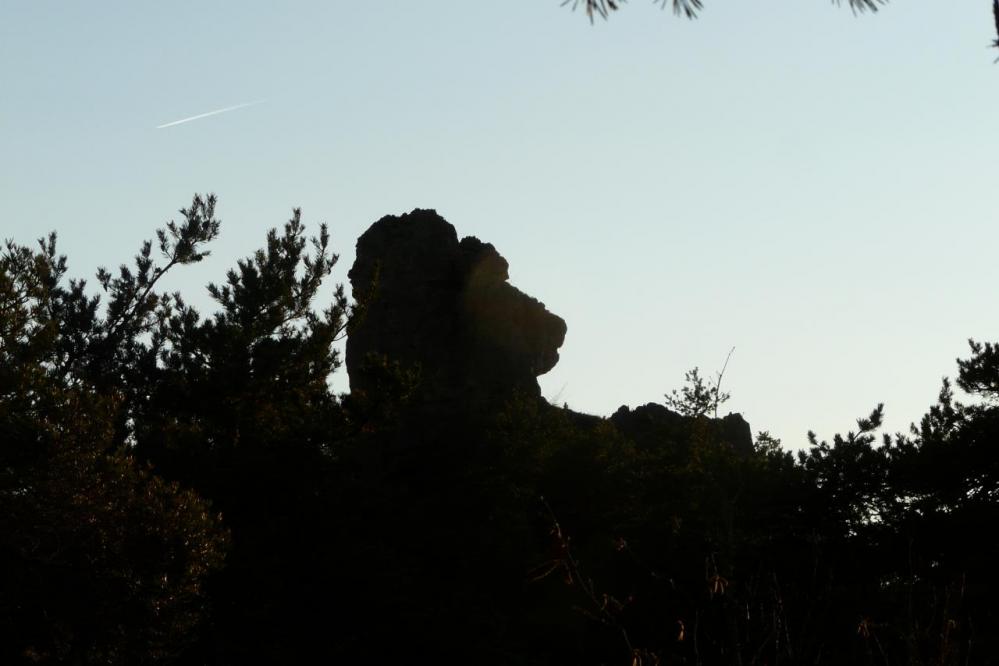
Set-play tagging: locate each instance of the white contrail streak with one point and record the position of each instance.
(211, 113)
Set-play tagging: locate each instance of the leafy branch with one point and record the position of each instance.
(690, 8)
(697, 397)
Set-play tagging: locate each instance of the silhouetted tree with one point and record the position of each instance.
(238, 406)
(696, 397)
(100, 561)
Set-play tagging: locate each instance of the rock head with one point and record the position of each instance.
(445, 307)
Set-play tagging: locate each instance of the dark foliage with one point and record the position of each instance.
(100, 560)
(689, 8)
(180, 488)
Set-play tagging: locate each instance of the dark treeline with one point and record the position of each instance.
(186, 488)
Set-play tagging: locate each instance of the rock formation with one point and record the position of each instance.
(445, 307)
(653, 425)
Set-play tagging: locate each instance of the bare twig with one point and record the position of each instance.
(718, 383)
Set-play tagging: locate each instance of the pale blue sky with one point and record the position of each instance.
(812, 187)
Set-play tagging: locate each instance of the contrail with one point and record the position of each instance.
(211, 113)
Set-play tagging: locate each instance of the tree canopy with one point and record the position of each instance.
(188, 489)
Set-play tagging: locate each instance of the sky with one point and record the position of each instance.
(812, 187)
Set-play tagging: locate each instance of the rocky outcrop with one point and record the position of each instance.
(445, 308)
(653, 425)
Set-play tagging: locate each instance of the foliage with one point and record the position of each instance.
(188, 489)
(980, 373)
(696, 398)
(689, 8)
(237, 405)
(100, 561)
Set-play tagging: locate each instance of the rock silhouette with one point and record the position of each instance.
(445, 308)
(652, 424)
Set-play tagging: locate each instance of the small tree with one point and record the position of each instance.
(697, 397)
